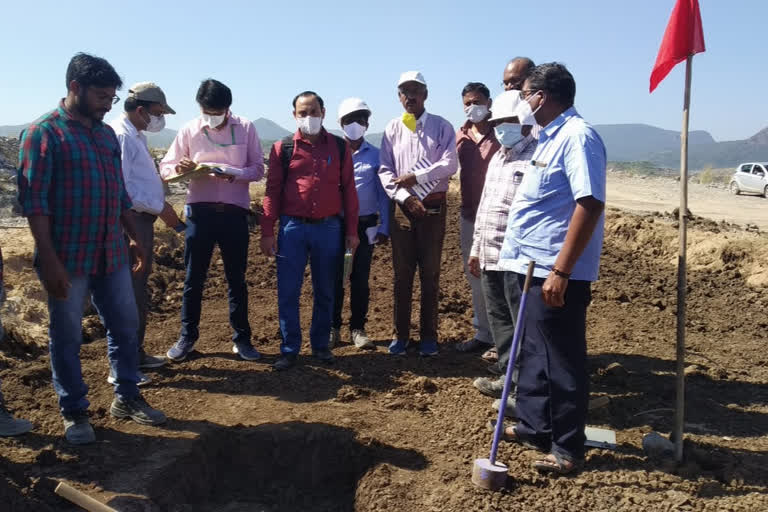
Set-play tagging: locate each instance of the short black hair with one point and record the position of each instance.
(554, 78)
(90, 71)
(214, 95)
(476, 87)
(306, 94)
(131, 104)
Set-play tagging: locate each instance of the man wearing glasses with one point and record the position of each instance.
(556, 220)
(71, 191)
(217, 210)
(515, 73)
(418, 158)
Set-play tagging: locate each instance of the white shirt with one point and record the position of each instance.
(142, 181)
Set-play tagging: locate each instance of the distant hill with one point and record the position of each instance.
(624, 143)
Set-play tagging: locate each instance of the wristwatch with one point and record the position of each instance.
(560, 273)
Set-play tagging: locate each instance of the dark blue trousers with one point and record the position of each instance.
(210, 224)
(553, 386)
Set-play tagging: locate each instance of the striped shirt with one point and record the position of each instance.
(73, 175)
(505, 172)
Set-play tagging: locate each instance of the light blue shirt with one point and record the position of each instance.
(569, 163)
(370, 192)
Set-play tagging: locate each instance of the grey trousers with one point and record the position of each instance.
(502, 300)
(480, 315)
(145, 231)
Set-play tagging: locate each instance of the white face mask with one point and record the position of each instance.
(508, 134)
(156, 123)
(309, 125)
(353, 131)
(476, 113)
(213, 121)
(524, 112)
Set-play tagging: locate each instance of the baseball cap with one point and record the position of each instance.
(505, 105)
(350, 105)
(148, 91)
(411, 76)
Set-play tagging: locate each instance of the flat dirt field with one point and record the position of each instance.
(381, 433)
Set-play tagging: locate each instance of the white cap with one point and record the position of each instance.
(350, 105)
(505, 105)
(411, 76)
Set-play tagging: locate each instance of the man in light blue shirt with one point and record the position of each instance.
(556, 220)
(372, 226)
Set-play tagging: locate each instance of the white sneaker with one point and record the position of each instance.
(143, 379)
(361, 339)
(335, 339)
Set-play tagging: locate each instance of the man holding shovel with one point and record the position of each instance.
(557, 221)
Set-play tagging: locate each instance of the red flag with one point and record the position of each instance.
(683, 37)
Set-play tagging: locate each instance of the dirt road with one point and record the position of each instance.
(663, 194)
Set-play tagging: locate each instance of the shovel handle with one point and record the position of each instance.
(81, 499)
(529, 276)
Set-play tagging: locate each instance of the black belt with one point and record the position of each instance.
(222, 207)
(309, 220)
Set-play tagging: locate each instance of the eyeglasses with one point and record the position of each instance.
(526, 93)
(510, 85)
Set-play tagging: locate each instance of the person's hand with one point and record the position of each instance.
(186, 165)
(220, 175)
(268, 247)
(553, 290)
(415, 207)
(352, 242)
(406, 180)
(169, 216)
(381, 239)
(137, 254)
(54, 276)
(474, 266)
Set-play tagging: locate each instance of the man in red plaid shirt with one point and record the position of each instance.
(71, 190)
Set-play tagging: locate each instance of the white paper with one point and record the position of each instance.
(422, 190)
(371, 233)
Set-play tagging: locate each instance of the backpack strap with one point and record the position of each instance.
(341, 145)
(286, 152)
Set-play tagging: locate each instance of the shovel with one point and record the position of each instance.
(488, 473)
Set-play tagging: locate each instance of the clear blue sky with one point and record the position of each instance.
(268, 51)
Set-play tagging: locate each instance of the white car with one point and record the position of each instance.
(751, 178)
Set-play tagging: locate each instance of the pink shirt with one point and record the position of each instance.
(244, 155)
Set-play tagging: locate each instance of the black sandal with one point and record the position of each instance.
(513, 437)
(560, 466)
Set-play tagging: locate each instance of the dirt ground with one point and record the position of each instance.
(379, 433)
(663, 194)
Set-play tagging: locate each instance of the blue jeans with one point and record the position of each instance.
(207, 225)
(112, 295)
(321, 243)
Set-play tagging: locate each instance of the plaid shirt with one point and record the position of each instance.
(72, 174)
(505, 171)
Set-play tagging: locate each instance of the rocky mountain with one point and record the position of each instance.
(624, 143)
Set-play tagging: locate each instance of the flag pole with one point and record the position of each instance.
(681, 266)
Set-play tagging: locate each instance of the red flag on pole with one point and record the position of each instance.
(683, 37)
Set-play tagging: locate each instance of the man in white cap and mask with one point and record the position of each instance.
(372, 222)
(145, 109)
(418, 158)
(505, 172)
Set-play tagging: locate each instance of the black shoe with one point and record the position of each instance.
(495, 369)
(138, 410)
(285, 362)
(324, 356)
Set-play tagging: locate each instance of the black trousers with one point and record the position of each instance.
(359, 289)
(553, 386)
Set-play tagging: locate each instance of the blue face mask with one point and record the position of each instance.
(508, 134)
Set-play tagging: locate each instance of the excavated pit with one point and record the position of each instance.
(271, 467)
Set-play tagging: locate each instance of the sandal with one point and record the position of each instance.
(491, 355)
(509, 434)
(559, 466)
